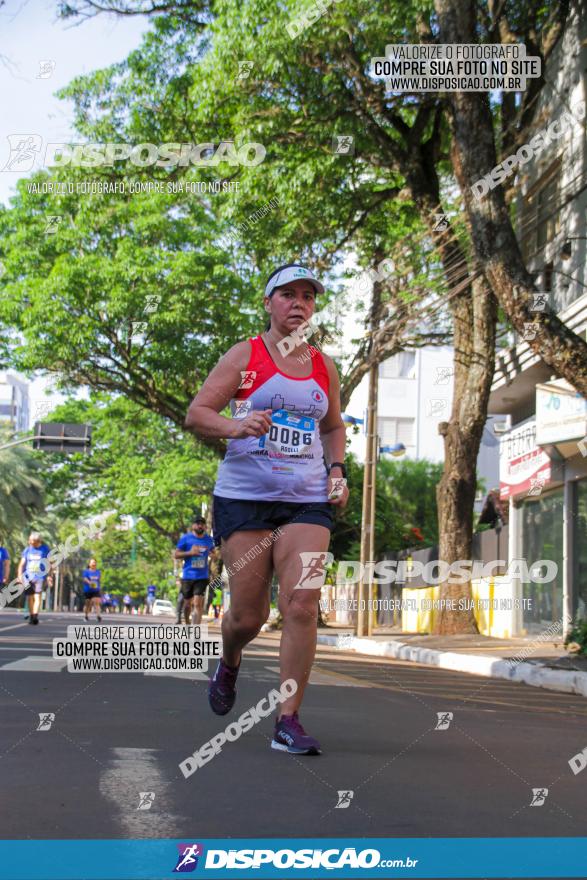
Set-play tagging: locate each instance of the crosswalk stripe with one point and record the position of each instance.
(34, 664)
(190, 675)
(132, 771)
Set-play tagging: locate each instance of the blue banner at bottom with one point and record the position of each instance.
(285, 858)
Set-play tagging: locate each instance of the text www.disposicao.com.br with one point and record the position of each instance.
(134, 664)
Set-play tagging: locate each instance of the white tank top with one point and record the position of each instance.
(287, 463)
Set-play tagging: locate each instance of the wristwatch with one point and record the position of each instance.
(339, 464)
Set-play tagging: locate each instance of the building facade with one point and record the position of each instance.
(414, 394)
(14, 402)
(543, 457)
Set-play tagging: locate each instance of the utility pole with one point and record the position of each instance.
(373, 511)
(368, 518)
(371, 451)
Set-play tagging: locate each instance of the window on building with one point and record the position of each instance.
(542, 538)
(392, 430)
(580, 552)
(400, 366)
(540, 214)
(547, 277)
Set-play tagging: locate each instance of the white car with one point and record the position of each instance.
(163, 606)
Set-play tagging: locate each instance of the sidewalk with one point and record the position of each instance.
(529, 659)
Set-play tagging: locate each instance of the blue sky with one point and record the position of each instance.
(31, 33)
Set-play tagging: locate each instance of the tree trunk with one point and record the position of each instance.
(474, 312)
(495, 243)
(474, 367)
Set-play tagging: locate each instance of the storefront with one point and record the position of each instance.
(543, 473)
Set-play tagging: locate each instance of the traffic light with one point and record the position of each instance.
(62, 437)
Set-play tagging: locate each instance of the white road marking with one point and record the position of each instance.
(190, 675)
(332, 679)
(14, 626)
(129, 772)
(34, 664)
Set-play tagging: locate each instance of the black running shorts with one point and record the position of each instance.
(191, 587)
(233, 515)
(34, 587)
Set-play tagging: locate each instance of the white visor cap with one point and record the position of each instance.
(293, 273)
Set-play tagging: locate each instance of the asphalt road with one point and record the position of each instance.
(116, 735)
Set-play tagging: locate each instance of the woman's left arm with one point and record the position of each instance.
(333, 436)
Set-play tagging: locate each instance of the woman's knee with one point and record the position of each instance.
(247, 620)
(301, 610)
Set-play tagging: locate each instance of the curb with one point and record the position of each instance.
(475, 664)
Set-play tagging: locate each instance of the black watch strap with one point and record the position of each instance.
(339, 464)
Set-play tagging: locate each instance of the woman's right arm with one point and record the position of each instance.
(203, 416)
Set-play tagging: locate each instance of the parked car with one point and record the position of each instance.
(163, 606)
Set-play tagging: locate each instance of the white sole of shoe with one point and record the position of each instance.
(281, 748)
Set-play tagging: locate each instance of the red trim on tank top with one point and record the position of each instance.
(318, 355)
(260, 353)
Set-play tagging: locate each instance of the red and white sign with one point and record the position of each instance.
(524, 468)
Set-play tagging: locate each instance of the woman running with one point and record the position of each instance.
(282, 473)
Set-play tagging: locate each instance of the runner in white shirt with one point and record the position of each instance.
(283, 470)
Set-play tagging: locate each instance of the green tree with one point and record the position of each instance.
(405, 501)
(299, 95)
(141, 465)
(22, 497)
(128, 558)
(132, 295)
(381, 201)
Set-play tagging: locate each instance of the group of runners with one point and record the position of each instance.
(35, 574)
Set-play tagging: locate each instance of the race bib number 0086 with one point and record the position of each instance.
(289, 434)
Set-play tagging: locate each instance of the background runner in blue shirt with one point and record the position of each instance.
(4, 566)
(151, 596)
(92, 584)
(34, 571)
(195, 548)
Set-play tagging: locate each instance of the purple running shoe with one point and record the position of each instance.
(291, 737)
(221, 690)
